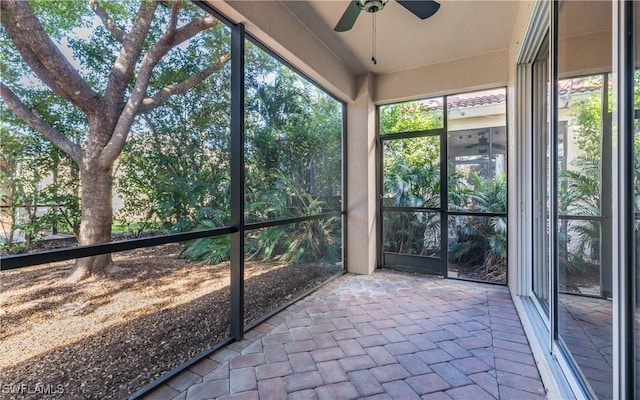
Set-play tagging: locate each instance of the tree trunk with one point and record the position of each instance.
(97, 215)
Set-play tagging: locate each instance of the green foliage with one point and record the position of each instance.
(411, 172)
(416, 233)
(588, 119)
(173, 174)
(30, 203)
(482, 241)
(189, 132)
(316, 240)
(580, 187)
(212, 250)
(293, 167)
(172, 178)
(412, 179)
(580, 240)
(411, 116)
(292, 128)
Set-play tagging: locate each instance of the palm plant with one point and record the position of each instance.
(481, 242)
(212, 250)
(314, 240)
(411, 184)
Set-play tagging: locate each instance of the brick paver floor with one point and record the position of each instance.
(388, 335)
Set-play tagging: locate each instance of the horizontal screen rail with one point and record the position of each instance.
(413, 134)
(43, 257)
(278, 222)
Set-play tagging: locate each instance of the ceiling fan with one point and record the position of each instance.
(483, 144)
(420, 8)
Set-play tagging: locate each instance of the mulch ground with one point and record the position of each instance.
(106, 337)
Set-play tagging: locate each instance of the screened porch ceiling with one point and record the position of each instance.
(460, 29)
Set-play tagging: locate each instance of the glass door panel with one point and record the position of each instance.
(411, 241)
(477, 248)
(583, 186)
(411, 202)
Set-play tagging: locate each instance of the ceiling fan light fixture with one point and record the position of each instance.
(420, 8)
(371, 6)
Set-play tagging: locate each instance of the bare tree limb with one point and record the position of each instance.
(149, 61)
(194, 27)
(44, 57)
(108, 23)
(125, 63)
(175, 9)
(36, 122)
(121, 131)
(163, 94)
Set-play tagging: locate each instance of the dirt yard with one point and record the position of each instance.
(108, 336)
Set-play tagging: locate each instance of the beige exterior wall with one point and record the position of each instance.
(462, 75)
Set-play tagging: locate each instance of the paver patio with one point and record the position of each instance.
(388, 335)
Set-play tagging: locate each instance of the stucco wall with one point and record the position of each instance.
(361, 179)
(467, 74)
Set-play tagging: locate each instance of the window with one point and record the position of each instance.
(449, 221)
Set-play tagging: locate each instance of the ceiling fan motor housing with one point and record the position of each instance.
(371, 6)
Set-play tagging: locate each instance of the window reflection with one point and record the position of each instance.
(584, 187)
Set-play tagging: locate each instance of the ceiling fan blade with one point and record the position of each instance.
(348, 18)
(421, 8)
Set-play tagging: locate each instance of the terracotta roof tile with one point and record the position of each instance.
(566, 86)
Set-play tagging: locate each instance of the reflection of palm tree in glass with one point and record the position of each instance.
(580, 195)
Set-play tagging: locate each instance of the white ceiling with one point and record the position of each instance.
(459, 29)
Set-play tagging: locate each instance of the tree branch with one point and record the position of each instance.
(128, 56)
(149, 61)
(194, 27)
(36, 122)
(163, 94)
(44, 57)
(108, 23)
(174, 19)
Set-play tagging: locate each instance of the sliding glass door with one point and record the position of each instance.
(582, 128)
